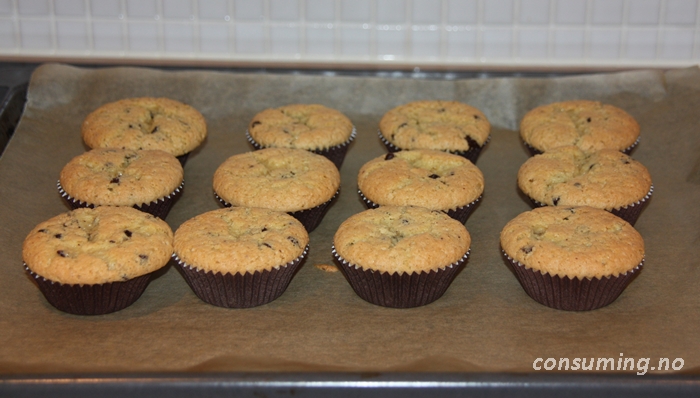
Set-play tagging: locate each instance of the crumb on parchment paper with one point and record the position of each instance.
(327, 267)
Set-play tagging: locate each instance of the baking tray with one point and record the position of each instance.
(485, 297)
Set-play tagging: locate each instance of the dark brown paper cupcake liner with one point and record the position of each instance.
(399, 291)
(460, 214)
(629, 213)
(472, 153)
(571, 294)
(335, 154)
(183, 159)
(159, 208)
(309, 218)
(240, 290)
(98, 299)
(533, 151)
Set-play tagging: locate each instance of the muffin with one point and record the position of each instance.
(240, 257)
(312, 127)
(146, 123)
(606, 179)
(422, 177)
(147, 180)
(572, 258)
(294, 181)
(401, 256)
(589, 125)
(448, 126)
(96, 261)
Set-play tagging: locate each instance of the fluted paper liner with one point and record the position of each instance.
(97, 299)
(571, 294)
(240, 290)
(472, 153)
(396, 290)
(460, 214)
(629, 213)
(159, 207)
(309, 218)
(335, 154)
(533, 151)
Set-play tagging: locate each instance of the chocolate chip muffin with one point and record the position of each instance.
(449, 126)
(422, 177)
(147, 180)
(572, 258)
(606, 179)
(401, 256)
(589, 125)
(295, 181)
(312, 127)
(240, 257)
(96, 261)
(146, 123)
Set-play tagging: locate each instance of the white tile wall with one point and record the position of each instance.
(387, 33)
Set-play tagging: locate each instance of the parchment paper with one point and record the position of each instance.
(485, 321)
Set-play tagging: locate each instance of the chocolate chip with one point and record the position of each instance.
(127, 233)
(626, 161)
(476, 116)
(389, 156)
(155, 130)
(264, 229)
(58, 236)
(526, 249)
(131, 126)
(565, 218)
(130, 156)
(588, 120)
(255, 123)
(61, 253)
(265, 244)
(433, 176)
(143, 257)
(150, 114)
(114, 180)
(294, 240)
(591, 167)
(555, 200)
(43, 230)
(577, 184)
(404, 221)
(111, 241)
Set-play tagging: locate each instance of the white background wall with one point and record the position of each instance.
(390, 33)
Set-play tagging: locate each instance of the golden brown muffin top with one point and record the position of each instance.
(100, 245)
(121, 177)
(439, 125)
(145, 123)
(239, 240)
(578, 242)
(422, 177)
(302, 126)
(280, 179)
(567, 176)
(589, 125)
(401, 239)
